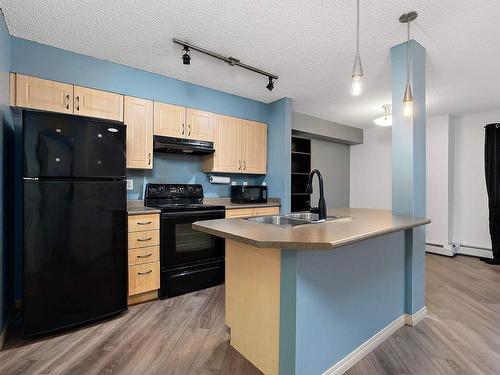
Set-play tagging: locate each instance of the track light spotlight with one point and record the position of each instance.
(270, 85)
(186, 59)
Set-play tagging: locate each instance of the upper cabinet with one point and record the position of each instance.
(139, 121)
(254, 146)
(169, 120)
(199, 125)
(240, 147)
(46, 95)
(37, 93)
(97, 103)
(181, 122)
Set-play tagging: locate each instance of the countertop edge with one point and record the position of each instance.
(308, 245)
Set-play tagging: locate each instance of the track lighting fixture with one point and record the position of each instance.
(408, 95)
(357, 69)
(270, 85)
(186, 60)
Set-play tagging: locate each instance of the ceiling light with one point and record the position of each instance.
(386, 119)
(357, 70)
(408, 95)
(270, 85)
(186, 59)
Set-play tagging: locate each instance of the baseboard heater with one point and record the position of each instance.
(457, 248)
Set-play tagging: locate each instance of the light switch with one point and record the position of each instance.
(130, 184)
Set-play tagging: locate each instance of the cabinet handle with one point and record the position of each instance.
(149, 158)
(144, 256)
(189, 127)
(144, 239)
(239, 161)
(183, 129)
(77, 103)
(144, 273)
(66, 102)
(145, 223)
(245, 165)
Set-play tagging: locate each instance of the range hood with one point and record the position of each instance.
(182, 146)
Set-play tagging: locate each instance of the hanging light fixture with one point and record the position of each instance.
(357, 70)
(408, 95)
(386, 119)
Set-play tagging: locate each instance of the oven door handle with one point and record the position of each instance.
(219, 214)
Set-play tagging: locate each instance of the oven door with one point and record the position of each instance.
(181, 244)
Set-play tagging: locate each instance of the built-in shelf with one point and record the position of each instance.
(301, 167)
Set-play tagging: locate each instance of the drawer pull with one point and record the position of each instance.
(144, 256)
(145, 223)
(144, 273)
(144, 239)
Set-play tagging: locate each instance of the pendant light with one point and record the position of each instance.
(408, 95)
(357, 70)
(386, 119)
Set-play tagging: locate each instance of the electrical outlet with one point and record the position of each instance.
(245, 183)
(130, 184)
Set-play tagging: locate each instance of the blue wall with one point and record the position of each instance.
(339, 299)
(43, 61)
(6, 174)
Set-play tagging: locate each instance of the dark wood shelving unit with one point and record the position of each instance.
(301, 167)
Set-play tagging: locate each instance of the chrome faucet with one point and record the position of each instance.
(321, 209)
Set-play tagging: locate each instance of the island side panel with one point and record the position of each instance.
(253, 303)
(346, 296)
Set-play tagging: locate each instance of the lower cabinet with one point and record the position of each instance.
(249, 212)
(143, 257)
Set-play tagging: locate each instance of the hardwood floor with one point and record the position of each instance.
(186, 335)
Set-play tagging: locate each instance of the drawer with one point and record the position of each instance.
(143, 278)
(143, 255)
(267, 211)
(145, 238)
(143, 222)
(240, 212)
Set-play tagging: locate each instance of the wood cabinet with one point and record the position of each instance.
(143, 257)
(169, 120)
(200, 125)
(249, 212)
(42, 94)
(180, 122)
(138, 116)
(97, 103)
(240, 147)
(46, 95)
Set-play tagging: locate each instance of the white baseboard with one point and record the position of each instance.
(364, 349)
(441, 250)
(475, 252)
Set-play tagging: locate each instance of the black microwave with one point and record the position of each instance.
(248, 194)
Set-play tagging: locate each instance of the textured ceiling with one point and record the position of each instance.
(309, 44)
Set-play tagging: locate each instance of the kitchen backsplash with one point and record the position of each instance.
(183, 169)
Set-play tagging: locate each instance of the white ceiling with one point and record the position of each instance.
(309, 44)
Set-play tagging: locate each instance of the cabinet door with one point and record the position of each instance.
(254, 139)
(97, 103)
(43, 94)
(200, 125)
(169, 120)
(227, 156)
(139, 121)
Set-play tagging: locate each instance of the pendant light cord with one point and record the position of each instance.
(357, 27)
(408, 53)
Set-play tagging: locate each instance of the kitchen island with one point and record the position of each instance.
(316, 298)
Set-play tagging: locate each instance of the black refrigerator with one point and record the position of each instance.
(75, 221)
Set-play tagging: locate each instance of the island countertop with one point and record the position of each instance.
(361, 224)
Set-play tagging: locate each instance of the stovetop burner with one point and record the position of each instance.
(177, 198)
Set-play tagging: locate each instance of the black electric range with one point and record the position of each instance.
(190, 260)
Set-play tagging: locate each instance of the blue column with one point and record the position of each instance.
(408, 164)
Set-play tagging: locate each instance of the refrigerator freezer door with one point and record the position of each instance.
(65, 146)
(75, 253)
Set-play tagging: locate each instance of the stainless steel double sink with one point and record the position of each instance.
(293, 220)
